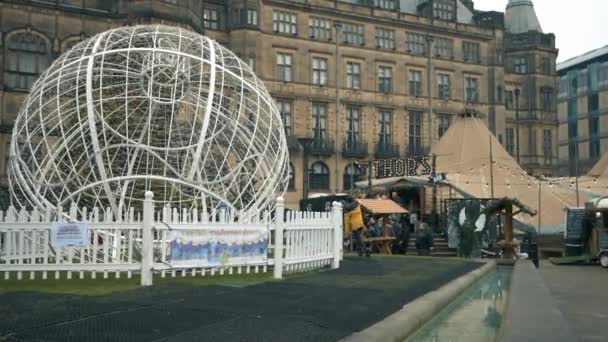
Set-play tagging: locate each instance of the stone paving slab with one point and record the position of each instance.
(581, 293)
(321, 306)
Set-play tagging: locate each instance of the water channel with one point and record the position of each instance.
(474, 316)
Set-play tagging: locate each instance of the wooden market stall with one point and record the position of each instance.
(382, 208)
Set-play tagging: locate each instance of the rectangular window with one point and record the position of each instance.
(547, 99)
(594, 136)
(353, 75)
(385, 79)
(520, 65)
(594, 74)
(499, 94)
(532, 142)
(509, 99)
(385, 38)
(319, 121)
(573, 130)
(563, 87)
(353, 33)
(236, 16)
(319, 71)
(603, 73)
(252, 63)
(353, 132)
(548, 146)
(385, 4)
(593, 103)
(545, 65)
(210, 20)
(415, 133)
(583, 81)
(319, 28)
(415, 43)
(594, 149)
(415, 83)
(285, 108)
(443, 86)
(510, 143)
(471, 51)
(284, 22)
(572, 85)
(443, 47)
(284, 67)
(472, 90)
(252, 17)
(444, 122)
(385, 127)
(443, 9)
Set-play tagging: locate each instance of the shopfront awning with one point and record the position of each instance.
(382, 206)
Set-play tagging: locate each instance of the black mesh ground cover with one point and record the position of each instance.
(322, 306)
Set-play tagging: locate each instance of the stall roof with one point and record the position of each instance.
(382, 206)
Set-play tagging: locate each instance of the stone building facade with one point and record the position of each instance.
(583, 111)
(478, 60)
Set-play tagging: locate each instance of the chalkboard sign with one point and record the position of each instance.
(574, 226)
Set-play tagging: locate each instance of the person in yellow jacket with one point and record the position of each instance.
(353, 224)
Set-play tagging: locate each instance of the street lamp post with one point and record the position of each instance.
(576, 173)
(337, 26)
(353, 165)
(306, 143)
(429, 40)
(517, 121)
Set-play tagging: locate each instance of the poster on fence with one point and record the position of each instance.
(227, 246)
(65, 234)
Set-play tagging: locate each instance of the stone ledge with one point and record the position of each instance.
(401, 324)
(531, 311)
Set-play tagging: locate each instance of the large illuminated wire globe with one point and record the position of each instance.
(143, 108)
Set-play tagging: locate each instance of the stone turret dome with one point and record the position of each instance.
(520, 17)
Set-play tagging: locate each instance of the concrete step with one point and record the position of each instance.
(436, 254)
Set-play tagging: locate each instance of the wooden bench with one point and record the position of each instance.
(383, 243)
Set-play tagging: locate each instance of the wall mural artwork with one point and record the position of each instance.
(469, 229)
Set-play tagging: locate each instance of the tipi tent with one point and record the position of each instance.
(464, 154)
(595, 182)
(600, 170)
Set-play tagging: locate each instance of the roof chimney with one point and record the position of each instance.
(520, 17)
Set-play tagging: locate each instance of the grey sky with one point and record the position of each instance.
(579, 26)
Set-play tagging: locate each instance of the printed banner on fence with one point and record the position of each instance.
(218, 247)
(65, 234)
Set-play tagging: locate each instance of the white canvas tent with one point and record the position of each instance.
(464, 154)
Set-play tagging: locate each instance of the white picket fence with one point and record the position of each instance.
(139, 243)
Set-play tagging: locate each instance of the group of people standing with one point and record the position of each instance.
(385, 226)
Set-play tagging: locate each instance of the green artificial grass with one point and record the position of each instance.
(101, 286)
(410, 272)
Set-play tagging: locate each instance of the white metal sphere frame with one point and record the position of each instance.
(155, 108)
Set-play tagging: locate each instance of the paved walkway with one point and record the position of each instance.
(581, 293)
(322, 306)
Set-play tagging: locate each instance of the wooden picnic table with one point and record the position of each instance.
(383, 243)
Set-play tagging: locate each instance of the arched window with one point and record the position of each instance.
(292, 179)
(319, 176)
(27, 57)
(351, 171)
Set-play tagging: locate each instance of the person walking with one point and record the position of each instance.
(424, 239)
(353, 223)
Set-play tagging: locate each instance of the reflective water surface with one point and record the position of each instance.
(474, 316)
